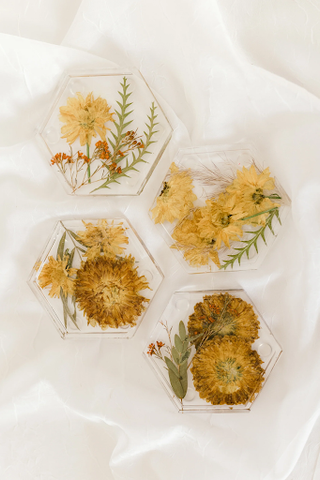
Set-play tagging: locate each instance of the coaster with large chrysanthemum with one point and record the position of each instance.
(222, 357)
(222, 314)
(95, 280)
(226, 371)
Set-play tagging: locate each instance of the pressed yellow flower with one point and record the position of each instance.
(103, 238)
(107, 290)
(176, 198)
(223, 314)
(85, 118)
(220, 219)
(248, 189)
(226, 371)
(56, 274)
(197, 251)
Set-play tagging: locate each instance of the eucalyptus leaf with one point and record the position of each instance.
(185, 346)
(171, 366)
(178, 344)
(182, 331)
(184, 383)
(176, 385)
(175, 354)
(185, 356)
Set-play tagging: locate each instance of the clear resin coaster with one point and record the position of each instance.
(104, 133)
(212, 351)
(95, 278)
(219, 209)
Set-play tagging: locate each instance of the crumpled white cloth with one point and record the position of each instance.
(224, 71)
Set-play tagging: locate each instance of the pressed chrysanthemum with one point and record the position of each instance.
(222, 314)
(85, 118)
(107, 290)
(103, 238)
(226, 371)
(197, 251)
(220, 220)
(248, 189)
(176, 198)
(56, 274)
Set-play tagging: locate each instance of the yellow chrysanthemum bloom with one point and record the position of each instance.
(223, 314)
(197, 251)
(226, 371)
(85, 118)
(103, 238)
(56, 274)
(176, 198)
(107, 290)
(220, 220)
(248, 189)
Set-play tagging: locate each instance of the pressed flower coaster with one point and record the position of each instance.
(212, 351)
(105, 133)
(218, 209)
(95, 278)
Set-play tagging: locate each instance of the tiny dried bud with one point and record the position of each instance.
(151, 349)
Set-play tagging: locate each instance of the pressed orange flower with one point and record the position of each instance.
(103, 238)
(56, 274)
(85, 118)
(176, 198)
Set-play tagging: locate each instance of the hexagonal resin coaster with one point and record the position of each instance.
(219, 350)
(219, 209)
(105, 133)
(95, 278)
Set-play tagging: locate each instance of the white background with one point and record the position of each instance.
(225, 71)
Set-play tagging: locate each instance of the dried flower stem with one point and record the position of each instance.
(88, 169)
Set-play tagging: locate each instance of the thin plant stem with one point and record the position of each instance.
(88, 169)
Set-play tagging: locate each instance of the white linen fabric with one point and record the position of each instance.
(225, 71)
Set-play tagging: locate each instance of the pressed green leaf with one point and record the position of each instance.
(60, 249)
(184, 380)
(77, 238)
(178, 344)
(176, 385)
(183, 366)
(253, 241)
(175, 354)
(65, 313)
(182, 331)
(278, 216)
(185, 356)
(70, 259)
(171, 366)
